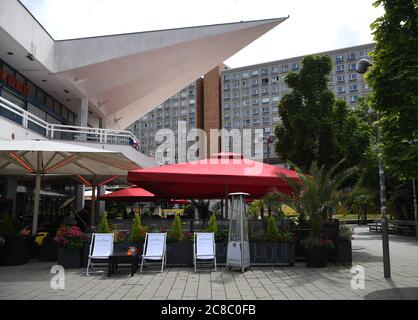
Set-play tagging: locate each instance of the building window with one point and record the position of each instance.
(266, 130)
(254, 82)
(340, 68)
(275, 98)
(265, 90)
(339, 58)
(227, 86)
(256, 101)
(256, 111)
(236, 123)
(236, 104)
(351, 66)
(245, 102)
(274, 69)
(236, 95)
(227, 105)
(246, 112)
(266, 100)
(256, 121)
(264, 71)
(264, 81)
(227, 115)
(284, 89)
(341, 89)
(245, 83)
(254, 73)
(274, 89)
(227, 95)
(235, 76)
(237, 114)
(255, 92)
(245, 74)
(246, 93)
(353, 87)
(276, 118)
(353, 99)
(235, 85)
(285, 68)
(246, 122)
(227, 124)
(351, 56)
(352, 77)
(275, 79)
(295, 66)
(364, 87)
(266, 109)
(340, 79)
(266, 120)
(363, 53)
(227, 77)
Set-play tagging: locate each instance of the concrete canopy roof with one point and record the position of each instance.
(126, 76)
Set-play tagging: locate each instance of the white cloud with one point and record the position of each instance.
(313, 26)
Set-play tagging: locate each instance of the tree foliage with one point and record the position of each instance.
(394, 80)
(315, 126)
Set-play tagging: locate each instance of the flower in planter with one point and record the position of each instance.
(312, 242)
(346, 233)
(70, 237)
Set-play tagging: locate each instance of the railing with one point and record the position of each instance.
(29, 121)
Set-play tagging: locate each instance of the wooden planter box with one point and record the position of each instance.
(316, 257)
(70, 257)
(300, 235)
(344, 253)
(15, 251)
(180, 254)
(221, 250)
(272, 253)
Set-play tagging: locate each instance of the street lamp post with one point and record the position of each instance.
(362, 67)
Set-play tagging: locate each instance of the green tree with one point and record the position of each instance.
(315, 126)
(213, 224)
(176, 230)
(317, 194)
(394, 80)
(138, 231)
(272, 230)
(104, 226)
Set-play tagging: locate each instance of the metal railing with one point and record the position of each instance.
(29, 121)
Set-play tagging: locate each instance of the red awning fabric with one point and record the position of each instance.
(129, 194)
(212, 178)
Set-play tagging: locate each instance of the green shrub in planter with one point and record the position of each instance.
(104, 226)
(16, 244)
(272, 230)
(213, 224)
(138, 231)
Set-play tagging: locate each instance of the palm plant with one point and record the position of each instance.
(316, 195)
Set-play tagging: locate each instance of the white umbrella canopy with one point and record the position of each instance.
(43, 157)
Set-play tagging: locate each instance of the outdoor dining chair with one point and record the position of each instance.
(154, 250)
(204, 251)
(101, 248)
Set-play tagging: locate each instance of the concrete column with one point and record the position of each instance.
(100, 205)
(84, 113)
(11, 191)
(80, 198)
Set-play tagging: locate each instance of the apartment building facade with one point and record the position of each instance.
(248, 98)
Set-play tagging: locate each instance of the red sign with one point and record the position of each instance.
(15, 84)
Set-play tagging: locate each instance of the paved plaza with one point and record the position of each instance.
(32, 280)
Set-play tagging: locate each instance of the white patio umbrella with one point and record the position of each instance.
(42, 157)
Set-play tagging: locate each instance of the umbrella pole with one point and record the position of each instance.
(37, 196)
(226, 202)
(93, 202)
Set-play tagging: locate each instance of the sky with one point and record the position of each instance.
(313, 26)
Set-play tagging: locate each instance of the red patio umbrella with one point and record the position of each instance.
(129, 194)
(213, 178)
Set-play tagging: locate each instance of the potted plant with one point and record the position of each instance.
(272, 246)
(221, 239)
(16, 246)
(70, 240)
(179, 245)
(138, 232)
(316, 251)
(344, 249)
(315, 197)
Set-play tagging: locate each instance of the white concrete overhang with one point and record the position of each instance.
(124, 76)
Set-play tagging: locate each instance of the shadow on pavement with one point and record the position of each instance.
(394, 294)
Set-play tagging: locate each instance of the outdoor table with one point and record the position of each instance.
(122, 257)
